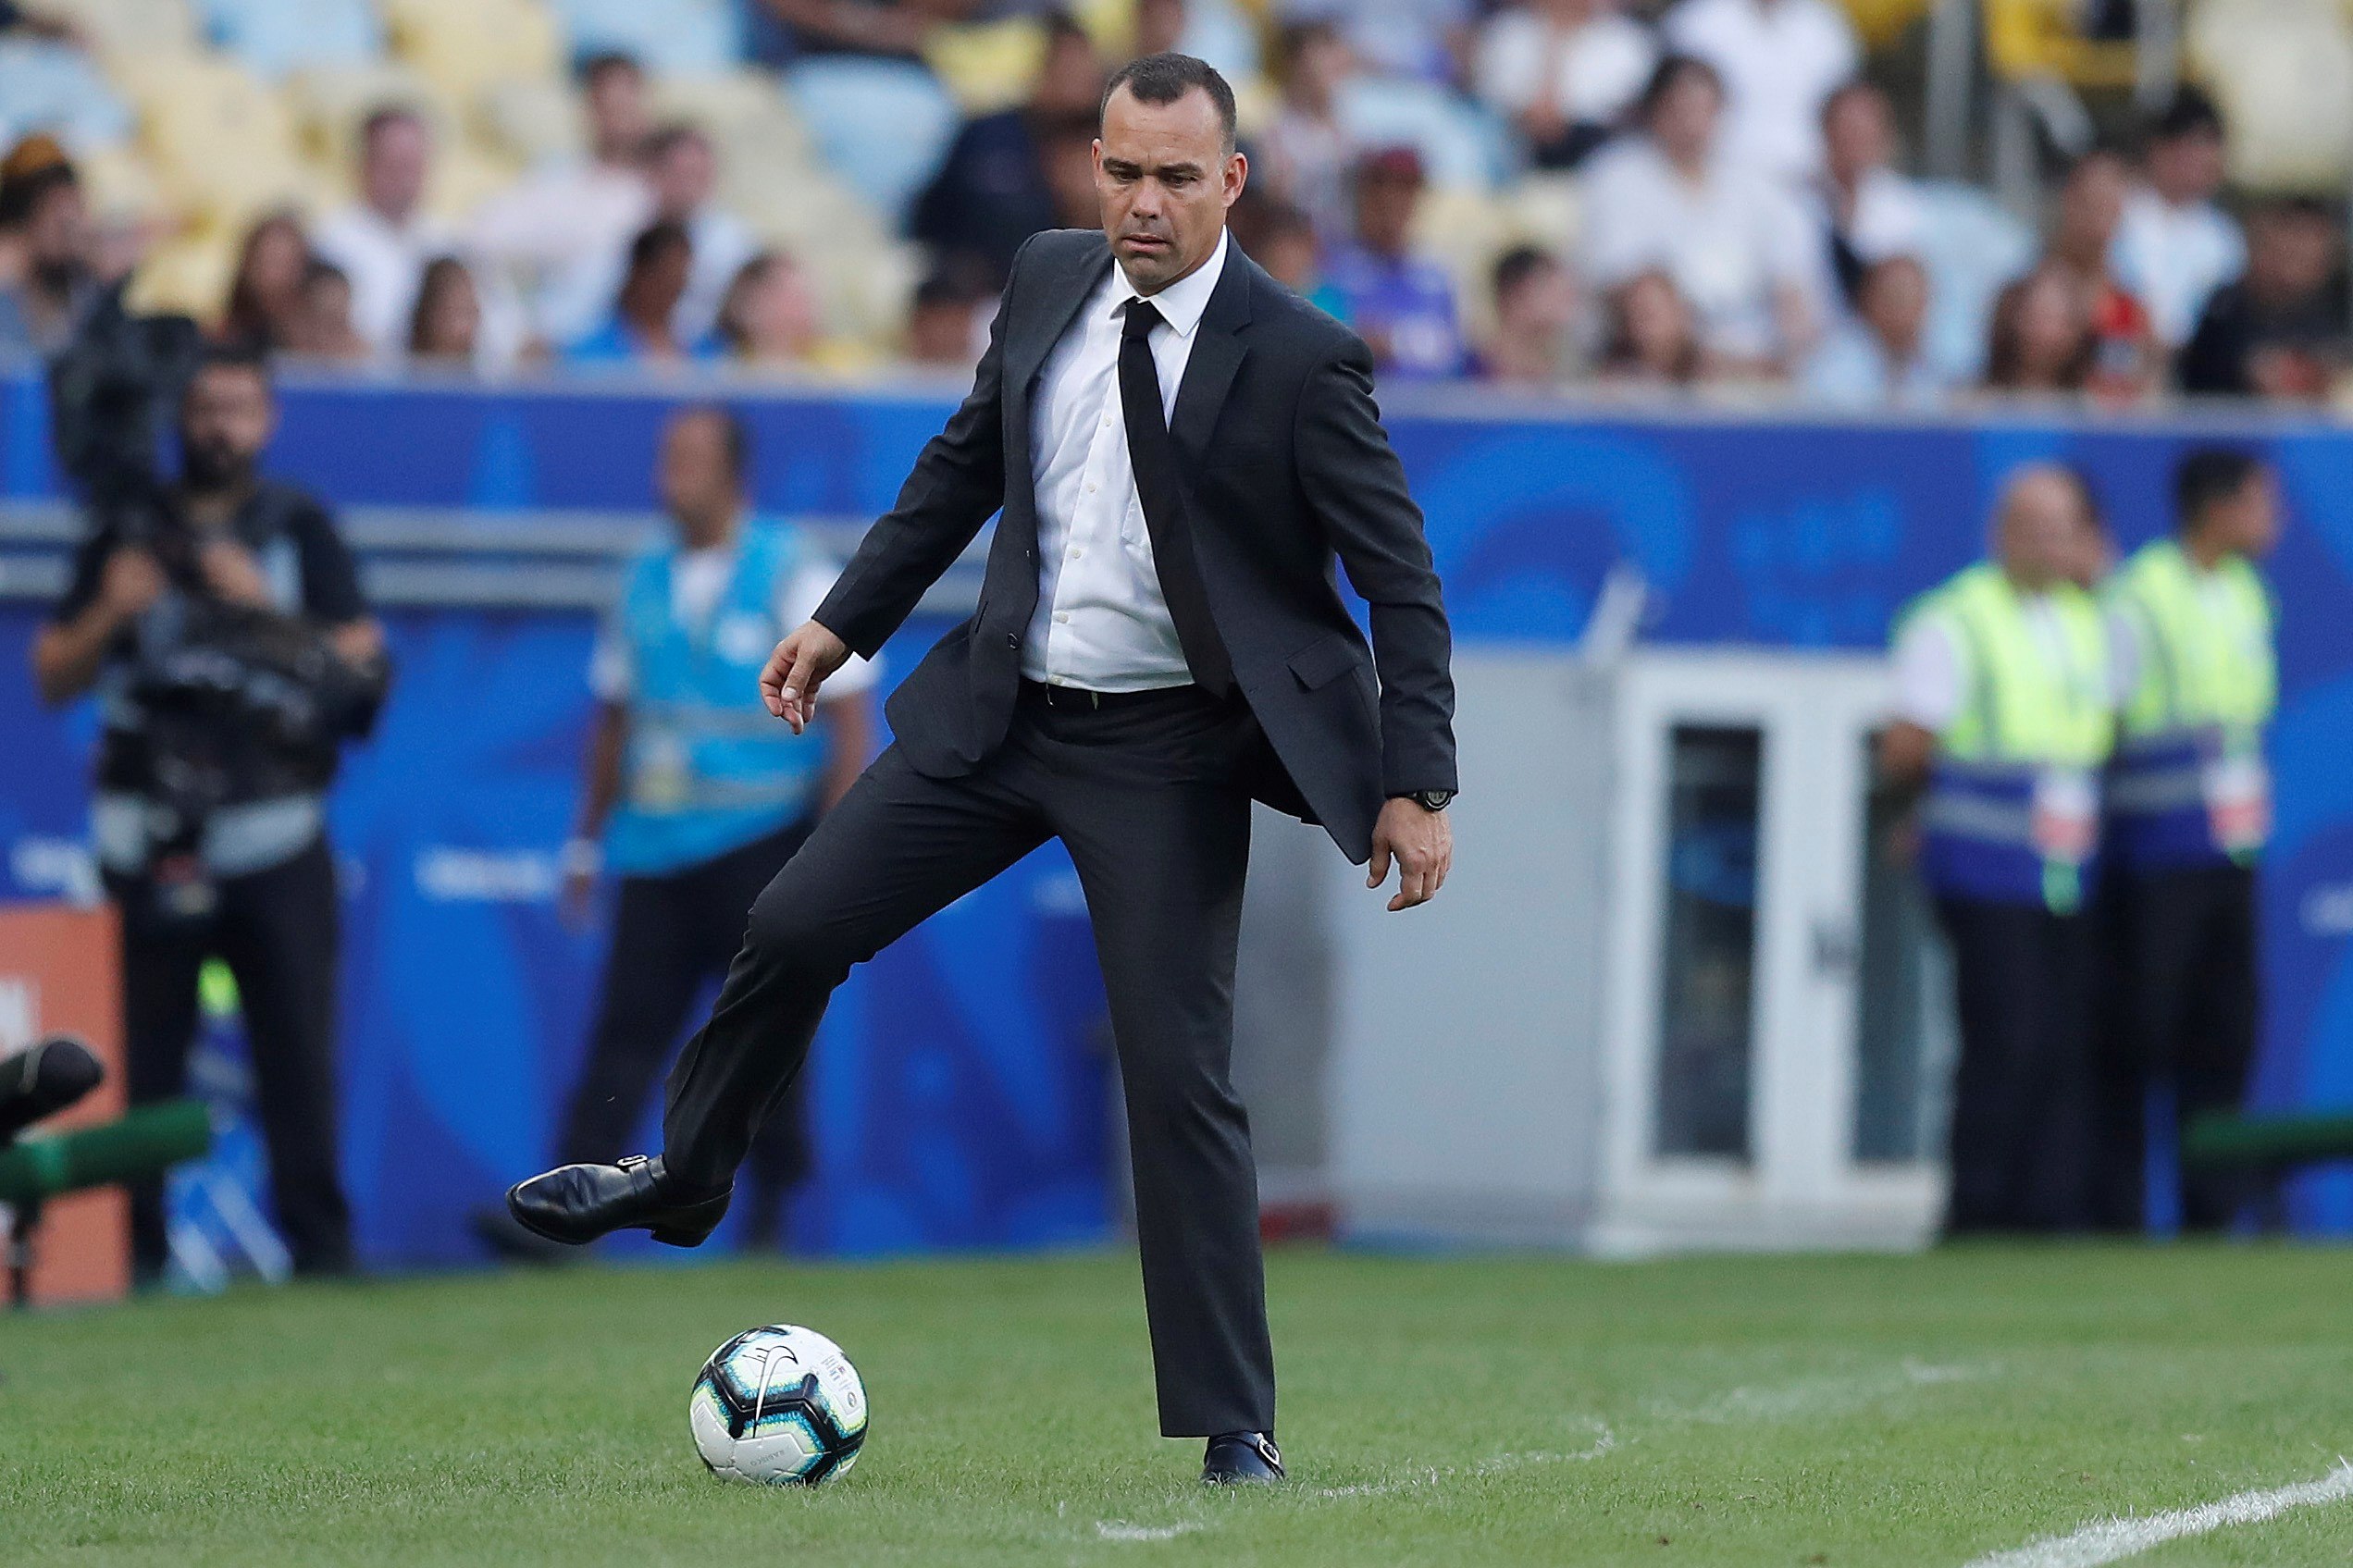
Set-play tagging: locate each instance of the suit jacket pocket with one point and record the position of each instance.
(1321, 663)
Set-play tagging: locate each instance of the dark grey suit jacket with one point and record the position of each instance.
(1286, 466)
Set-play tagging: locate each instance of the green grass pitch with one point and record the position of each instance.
(1908, 1413)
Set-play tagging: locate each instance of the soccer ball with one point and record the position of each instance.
(778, 1405)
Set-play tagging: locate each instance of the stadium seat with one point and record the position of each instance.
(223, 143)
(742, 113)
(2025, 39)
(54, 88)
(120, 27)
(188, 273)
(663, 35)
(274, 37)
(468, 47)
(533, 119)
(2283, 73)
(329, 103)
(881, 125)
(1881, 23)
(1458, 146)
(987, 66)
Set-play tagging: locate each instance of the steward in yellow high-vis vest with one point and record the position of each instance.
(2189, 807)
(2004, 716)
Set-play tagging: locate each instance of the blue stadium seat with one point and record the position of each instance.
(883, 126)
(665, 36)
(54, 88)
(276, 37)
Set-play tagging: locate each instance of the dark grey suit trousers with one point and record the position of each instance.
(1151, 795)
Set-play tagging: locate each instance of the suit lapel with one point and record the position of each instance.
(1044, 329)
(1218, 353)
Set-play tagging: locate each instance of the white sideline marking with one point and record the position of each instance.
(1603, 1441)
(2111, 1540)
(1120, 1530)
(1828, 1395)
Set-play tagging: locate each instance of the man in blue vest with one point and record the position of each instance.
(2189, 807)
(2004, 716)
(695, 795)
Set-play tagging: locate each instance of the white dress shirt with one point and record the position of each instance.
(2174, 258)
(384, 261)
(1101, 623)
(1780, 59)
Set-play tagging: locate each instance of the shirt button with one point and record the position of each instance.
(1061, 617)
(1076, 552)
(1090, 487)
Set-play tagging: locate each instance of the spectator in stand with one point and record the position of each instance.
(1308, 153)
(2091, 204)
(39, 22)
(1874, 359)
(50, 281)
(1780, 61)
(1868, 211)
(1672, 199)
(684, 170)
(642, 328)
(771, 322)
(1401, 305)
(1217, 31)
(1420, 40)
(2174, 247)
(1535, 308)
(323, 330)
(552, 237)
(2040, 341)
(1564, 72)
(265, 293)
(1652, 342)
(945, 330)
(994, 189)
(888, 29)
(2280, 330)
(445, 326)
(1281, 239)
(383, 240)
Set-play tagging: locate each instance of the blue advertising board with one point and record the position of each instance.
(960, 1086)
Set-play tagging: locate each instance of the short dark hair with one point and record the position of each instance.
(1670, 70)
(2191, 113)
(656, 237)
(388, 114)
(230, 353)
(1519, 264)
(594, 66)
(1164, 78)
(2207, 476)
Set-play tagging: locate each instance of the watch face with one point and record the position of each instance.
(1435, 799)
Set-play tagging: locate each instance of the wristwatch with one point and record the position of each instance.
(1433, 800)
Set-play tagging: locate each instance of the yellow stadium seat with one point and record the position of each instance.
(987, 66)
(2038, 38)
(1880, 23)
(747, 117)
(223, 141)
(188, 273)
(466, 47)
(533, 120)
(132, 26)
(330, 103)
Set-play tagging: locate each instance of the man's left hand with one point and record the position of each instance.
(1421, 844)
(235, 576)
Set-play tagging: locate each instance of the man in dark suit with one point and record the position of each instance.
(1180, 447)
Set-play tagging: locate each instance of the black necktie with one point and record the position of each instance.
(1152, 455)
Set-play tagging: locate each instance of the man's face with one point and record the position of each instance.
(2189, 168)
(1857, 135)
(2290, 254)
(660, 284)
(393, 169)
(2041, 524)
(684, 177)
(225, 422)
(618, 118)
(2248, 522)
(1385, 203)
(2092, 204)
(696, 480)
(1166, 177)
(57, 229)
(1684, 122)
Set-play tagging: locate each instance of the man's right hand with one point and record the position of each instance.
(132, 582)
(789, 686)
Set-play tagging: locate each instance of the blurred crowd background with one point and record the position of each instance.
(1879, 204)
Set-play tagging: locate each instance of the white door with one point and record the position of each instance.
(1730, 1033)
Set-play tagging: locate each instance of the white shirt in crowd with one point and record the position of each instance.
(1727, 242)
(1853, 372)
(553, 238)
(698, 579)
(1101, 623)
(2174, 258)
(384, 261)
(1780, 59)
(1594, 73)
(722, 243)
(1935, 676)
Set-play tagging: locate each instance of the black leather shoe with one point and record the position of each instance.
(576, 1203)
(1242, 1459)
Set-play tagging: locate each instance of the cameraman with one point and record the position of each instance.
(223, 628)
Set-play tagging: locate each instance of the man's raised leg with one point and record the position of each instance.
(898, 848)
